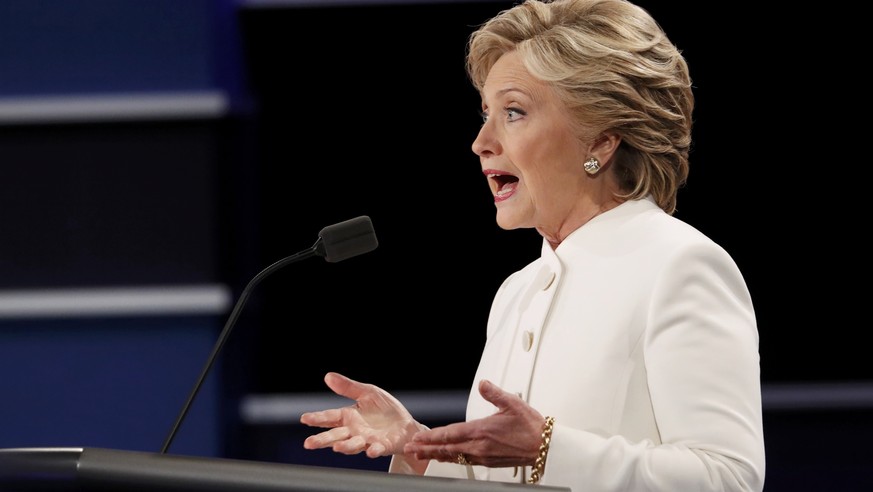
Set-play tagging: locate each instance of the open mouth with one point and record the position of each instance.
(502, 184)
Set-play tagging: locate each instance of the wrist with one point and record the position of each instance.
(407, 464)
(539, 467)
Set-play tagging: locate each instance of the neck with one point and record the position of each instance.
(554, 236)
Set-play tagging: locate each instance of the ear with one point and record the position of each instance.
(604, 146)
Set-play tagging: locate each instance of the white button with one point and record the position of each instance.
(527, 340)
(549, 280)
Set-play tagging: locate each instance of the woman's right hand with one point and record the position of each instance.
(377, 424)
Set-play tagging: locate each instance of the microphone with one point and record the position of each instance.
(335, 243)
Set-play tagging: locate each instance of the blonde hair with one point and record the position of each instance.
(614, 67)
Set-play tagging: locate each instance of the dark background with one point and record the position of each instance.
(374, 116)
(350, 109)
(340, 109)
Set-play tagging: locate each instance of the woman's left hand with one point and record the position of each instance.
(509, 437)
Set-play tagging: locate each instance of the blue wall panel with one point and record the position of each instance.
(112, 382)
(116, 383)
(68, 47)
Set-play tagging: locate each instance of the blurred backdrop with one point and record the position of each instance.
(157, 155)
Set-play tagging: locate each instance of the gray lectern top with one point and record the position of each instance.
(110, 470)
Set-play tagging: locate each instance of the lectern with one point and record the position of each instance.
(112, 470)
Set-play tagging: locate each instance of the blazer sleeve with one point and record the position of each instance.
(703, 375)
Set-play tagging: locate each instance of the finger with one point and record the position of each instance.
(376, 450)
(323, 418)
(447, 453)
(327, 438)
(447, 434)
(352, 445)
(496, 396)
(344, 386)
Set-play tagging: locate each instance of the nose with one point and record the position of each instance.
(485, 144)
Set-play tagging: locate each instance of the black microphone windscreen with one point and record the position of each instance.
(349, 238)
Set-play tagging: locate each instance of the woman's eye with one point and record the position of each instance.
(513, 114)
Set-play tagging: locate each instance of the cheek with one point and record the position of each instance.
(550, 177)
(530, 154)
(540, 179)
(548, 159)
(551, 163)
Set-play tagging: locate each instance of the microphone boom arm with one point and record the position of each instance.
(335, 243)
(228, 327)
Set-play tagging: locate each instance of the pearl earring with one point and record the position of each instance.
(592, 165)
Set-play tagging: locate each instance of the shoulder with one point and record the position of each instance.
(636, 227)
(670, 235)
(689, 259)
(638, 238)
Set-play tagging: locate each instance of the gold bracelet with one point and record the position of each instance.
(540, 464)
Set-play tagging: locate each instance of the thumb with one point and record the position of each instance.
(495, 395)
(344, 386)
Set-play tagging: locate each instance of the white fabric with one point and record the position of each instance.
(643, 345)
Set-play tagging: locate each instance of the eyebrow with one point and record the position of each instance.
(502, 92)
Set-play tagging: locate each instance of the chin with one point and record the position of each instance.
(508, 221)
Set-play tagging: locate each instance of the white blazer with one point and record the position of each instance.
(638, 335)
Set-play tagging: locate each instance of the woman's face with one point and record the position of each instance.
(529, 151)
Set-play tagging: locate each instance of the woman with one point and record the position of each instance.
(625, 358)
